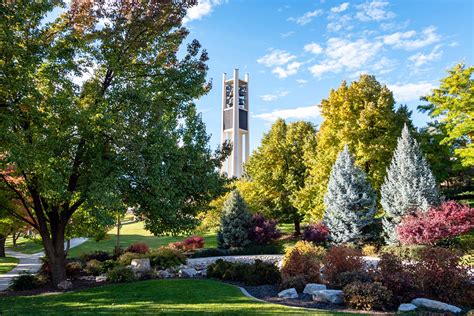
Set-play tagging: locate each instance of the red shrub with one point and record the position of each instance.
(317, 233)
(398, 277)
(448, 220)
(191, 243)
(138, 247)
(263, 231)
(341, 259)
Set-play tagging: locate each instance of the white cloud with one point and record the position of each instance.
(384, 65)
(410, 91)
(343, 7)
(339, 22)
(345, 55)
(307, 17)
(301, 81)
(276, 58)
(287, 34)
(313, 48)
(420, 59)
(289, 70)
(373, 11)
(203, 8)
(274, 96)
(407, 40)
(306, 112)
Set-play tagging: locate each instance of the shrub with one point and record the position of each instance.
(368, 296)
(258, 273)
(120, 275)
(108, 265)
(341, 259)
(398, 277)
(411, 252)
(468, 259)
(25, 281)
(127, 258)
(210, 252)
(246, 251)
(235, 223)
(369, 250)
(263, 231)
(73, 269)
(191, 243)
(302, 263)
(97, 255)
(118, 251)
(138, 247)
(166, 257)
(447, 221)
(348, 277)
(317, 233)
(93, 267)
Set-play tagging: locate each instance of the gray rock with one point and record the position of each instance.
(187, 273)
(164, 274)
(141, 264)
(101, 278)
(87, 278)
(328, 296)
(65, 285)
(406, 308)
(288, 293)
(436, 305)
(310, 288)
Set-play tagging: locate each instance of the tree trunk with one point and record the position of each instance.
(54, 249)
(68, 246)
(297, 227)
(2, 246)
(15, 238)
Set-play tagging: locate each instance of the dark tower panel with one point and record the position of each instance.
(243, 119)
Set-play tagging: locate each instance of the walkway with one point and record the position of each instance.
(28, 263)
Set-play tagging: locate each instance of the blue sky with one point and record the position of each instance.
(296, 51)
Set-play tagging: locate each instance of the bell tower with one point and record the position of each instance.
(235, 122)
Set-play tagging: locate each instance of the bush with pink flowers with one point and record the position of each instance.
(446, 221)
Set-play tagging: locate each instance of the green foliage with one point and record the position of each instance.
(25, 281)
(302, 265)
(93, 267)
(368, 296)
(166, 257)
(363, 116)
(245, 251)
(453, 104)
(126, 258)
(120, 275)
(73, 269)
(278, 169)
(235, 223)
(411, 252)
(258, 273)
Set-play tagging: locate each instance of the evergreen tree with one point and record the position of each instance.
(350, 200)
(235, 222)
(409, 185)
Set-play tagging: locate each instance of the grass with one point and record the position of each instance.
(7, 263)
(25, 245)
(131, 233)
(164, 297)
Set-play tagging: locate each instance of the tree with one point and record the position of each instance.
(278, 169)
(97, 109)
(235, 222)
(363, 116)
(350, 200)
(453, 104)
(409, 185)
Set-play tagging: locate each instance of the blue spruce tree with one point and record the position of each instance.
(349, 201)
(409, 185)
(235, 223)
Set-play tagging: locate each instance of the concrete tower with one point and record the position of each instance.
(235, 122)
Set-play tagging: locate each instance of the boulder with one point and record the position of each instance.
(288, 293)
(435, 305)
(100, 278)
(310, 288)
(328, 296)
(87, 278)
(140, 264)
(164, 274)
(187, 273)
(65, 285)
(406, 308)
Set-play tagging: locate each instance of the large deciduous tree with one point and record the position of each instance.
(363, 116)
(408, 187)
(279, 170)
(453, 104)
(96, 109)
(350, 200)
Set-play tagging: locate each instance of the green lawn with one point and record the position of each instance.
(131, 233)
(176, 297)
(25, 245)
(7, 263)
